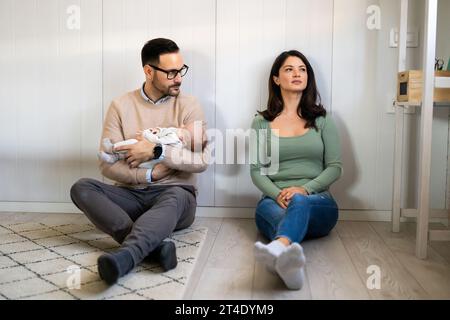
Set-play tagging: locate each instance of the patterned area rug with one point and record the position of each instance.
(39, 261)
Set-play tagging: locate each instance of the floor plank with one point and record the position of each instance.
(213, 225)
(228, 273)
(331, 273)
(433, 274)
(366, 248)
(441, 247)
(224, 284)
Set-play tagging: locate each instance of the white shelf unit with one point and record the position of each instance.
(423, 212)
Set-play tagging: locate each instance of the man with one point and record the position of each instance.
(146, 205)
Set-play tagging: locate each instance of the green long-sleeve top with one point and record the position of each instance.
(312, 160)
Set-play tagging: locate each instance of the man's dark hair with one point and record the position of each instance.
(154, 48)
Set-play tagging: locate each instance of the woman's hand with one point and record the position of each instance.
(161, 171)
(281, 201)
(287, 193)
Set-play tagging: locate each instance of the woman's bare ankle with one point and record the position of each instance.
(285, 241)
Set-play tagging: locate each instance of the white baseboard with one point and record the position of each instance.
(211, 212)
(345, 215)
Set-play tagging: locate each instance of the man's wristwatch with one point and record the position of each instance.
(157, 151)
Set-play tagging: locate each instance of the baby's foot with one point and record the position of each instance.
(106, 157)
(108, 146)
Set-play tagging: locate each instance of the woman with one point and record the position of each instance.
(296, 204)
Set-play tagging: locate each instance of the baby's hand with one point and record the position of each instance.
(181, 131)
(139, 133)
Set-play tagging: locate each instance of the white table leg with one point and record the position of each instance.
(426, 123)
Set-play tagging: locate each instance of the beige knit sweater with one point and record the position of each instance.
(131, 113)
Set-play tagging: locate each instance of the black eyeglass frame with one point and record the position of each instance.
(184, 69)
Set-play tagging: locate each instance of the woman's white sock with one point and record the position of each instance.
(268, 254)
(290, 266)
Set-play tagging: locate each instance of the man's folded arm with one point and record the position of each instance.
(119, 171)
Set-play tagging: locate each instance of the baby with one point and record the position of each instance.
(165, 136)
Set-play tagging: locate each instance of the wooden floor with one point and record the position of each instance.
(336, 266)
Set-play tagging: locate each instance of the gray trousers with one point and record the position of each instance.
(139, 219)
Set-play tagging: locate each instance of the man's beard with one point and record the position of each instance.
(173, 93)
(168, 91)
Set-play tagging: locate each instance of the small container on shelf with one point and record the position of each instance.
(409, 87)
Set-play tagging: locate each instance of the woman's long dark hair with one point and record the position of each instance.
(310, 106)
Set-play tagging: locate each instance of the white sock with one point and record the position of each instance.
(268, 254)
(290, 266)
(109, 158)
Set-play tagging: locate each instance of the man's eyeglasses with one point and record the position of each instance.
(172, 74)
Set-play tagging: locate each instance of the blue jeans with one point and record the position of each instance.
(306, 217)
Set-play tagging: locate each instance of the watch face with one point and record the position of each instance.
(157, 151)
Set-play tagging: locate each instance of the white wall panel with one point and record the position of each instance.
(354, 102)
(9, 111)
(309, 28)
(51, 102)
